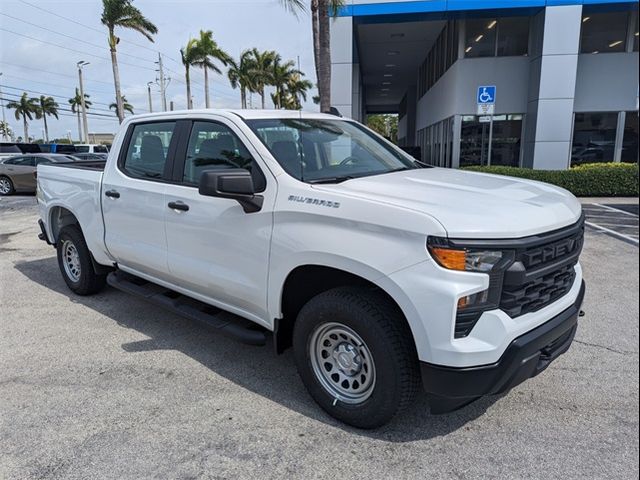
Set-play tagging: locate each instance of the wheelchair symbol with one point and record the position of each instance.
(485, 97)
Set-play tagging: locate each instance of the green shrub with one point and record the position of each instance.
(589, 180)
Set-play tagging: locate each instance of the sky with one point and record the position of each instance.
(39, 52)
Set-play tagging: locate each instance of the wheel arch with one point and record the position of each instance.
(306, 281)
(60, 217)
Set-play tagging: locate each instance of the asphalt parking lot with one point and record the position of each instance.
(111, 387)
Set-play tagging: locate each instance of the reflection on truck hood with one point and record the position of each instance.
(469, 204)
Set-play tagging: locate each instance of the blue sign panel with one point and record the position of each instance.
(487, 95)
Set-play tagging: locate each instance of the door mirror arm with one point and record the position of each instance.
(235, 184)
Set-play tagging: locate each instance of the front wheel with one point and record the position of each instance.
(355, 354)
(74, 260)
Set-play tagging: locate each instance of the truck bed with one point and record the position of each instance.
(84, 165)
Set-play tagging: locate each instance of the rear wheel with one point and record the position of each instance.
(6, 186)
(355, 354)
(74, 260)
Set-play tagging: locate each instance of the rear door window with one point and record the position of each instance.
(148, 149)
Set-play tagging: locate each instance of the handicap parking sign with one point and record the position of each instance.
(487, 95)
(486, 98)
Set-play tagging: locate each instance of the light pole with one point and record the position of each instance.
(4, 120)
(149, 94)
(85, 126)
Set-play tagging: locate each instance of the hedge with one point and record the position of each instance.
(589, 180)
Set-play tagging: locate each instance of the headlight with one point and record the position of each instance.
(454, 255)
(466, 260)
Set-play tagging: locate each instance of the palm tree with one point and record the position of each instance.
(48, 106)
(281, 75)
(26, 108)
(208, 51)
(262, 64)
(189, 55)
(122, 13)
(5, 130)
(320, 12)
(240, 75)
(296, 89)
(76, 107)
(126, 106)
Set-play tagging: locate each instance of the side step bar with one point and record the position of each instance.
(222, 322)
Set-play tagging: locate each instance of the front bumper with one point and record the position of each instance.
(450, 388)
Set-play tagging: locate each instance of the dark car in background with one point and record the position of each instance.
(11, 149)
(18, 173)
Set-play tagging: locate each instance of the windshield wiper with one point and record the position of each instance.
(340, 179)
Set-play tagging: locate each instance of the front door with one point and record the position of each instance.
(215, 249)
(133, 200)
(21, 171)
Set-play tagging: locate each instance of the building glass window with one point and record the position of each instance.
(513, 36)
(476, 140)
(604, 32)
(436, 143)
(480, 38)
(630, 138)
(442, 55)
(594, 137)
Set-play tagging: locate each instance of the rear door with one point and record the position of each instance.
(133, 201)
(215, 249)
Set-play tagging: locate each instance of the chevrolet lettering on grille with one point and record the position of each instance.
(548, 253)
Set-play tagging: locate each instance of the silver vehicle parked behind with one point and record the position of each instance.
(18, 174)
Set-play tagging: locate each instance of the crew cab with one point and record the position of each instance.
(383, 274)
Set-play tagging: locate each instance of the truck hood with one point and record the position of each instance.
(470, 204)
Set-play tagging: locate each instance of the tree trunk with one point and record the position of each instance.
(324, 56)
(262, 97)
(188, 81)
(243, 97)
(116, 75)
(206, 87)
(46, 129)
(79, 128)
(316, 37)
(26, 128)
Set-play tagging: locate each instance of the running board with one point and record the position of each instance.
(220, 321)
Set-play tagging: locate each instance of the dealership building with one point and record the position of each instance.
(533, 83)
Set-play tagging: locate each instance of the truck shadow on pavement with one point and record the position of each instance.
(257, 369)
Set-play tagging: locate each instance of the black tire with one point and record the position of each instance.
(384, 331)
(87, 281)
(11, 189)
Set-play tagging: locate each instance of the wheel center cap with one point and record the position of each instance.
(347, 358)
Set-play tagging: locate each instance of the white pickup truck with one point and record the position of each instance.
(382, 273)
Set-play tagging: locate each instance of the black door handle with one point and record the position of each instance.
(183, 207)
(112, 194)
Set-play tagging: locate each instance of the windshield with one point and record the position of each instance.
(328, 151)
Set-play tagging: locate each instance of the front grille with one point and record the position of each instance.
(543, 272)
(532, 296)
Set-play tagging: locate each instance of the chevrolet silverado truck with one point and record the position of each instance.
(382, 273)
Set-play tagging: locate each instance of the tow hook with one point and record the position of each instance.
(582, 313)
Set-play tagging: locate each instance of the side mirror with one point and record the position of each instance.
(235, 183)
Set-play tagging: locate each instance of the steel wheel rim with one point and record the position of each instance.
(342, 363)
(71, 261)
(5, 186)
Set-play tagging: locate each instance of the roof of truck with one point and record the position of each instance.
(247, 114)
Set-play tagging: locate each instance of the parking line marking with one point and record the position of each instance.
(613, 233)
(613, 209)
